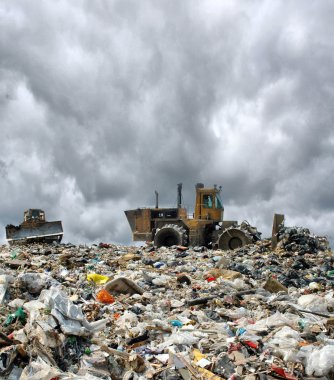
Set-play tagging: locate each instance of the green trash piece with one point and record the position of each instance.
(14, 253)
(19, 314)
(302, 324)
(71, 339)
(9, 320)
(330, 273)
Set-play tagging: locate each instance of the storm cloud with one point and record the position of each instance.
(103, 102)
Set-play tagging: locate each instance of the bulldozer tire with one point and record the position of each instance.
(170, 234)
(233, 238)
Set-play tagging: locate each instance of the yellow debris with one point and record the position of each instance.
(99, 279)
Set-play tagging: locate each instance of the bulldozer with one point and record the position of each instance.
(34, 228)
(206, 227)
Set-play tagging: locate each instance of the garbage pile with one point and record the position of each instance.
(116, 312)
(300, 239)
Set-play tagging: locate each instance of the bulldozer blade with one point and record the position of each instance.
(49, 231)
(131, 217)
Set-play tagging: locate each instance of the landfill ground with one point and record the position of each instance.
(118, 312)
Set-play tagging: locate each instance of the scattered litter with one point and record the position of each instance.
(114, 312)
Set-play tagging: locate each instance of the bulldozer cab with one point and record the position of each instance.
(208, 204)
(34, 214)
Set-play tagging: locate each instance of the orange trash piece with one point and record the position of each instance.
(105, 297)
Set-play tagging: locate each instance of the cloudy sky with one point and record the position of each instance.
(103, 102)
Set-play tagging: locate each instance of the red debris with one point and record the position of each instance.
(280, 371)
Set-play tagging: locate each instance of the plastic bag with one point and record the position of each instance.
(33, 282)
(285, 343)
(275, 320)
(33, 308)
(39, 370)
(127, 320)
(320, 362)
(161, 280)
(185, 338)
(313, 302)
(98, 279)
(69, 315)
(237, 313)
(287, 332)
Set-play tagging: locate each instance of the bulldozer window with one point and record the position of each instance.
(218, 202)
(207, 201)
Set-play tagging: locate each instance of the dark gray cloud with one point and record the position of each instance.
(103, 102)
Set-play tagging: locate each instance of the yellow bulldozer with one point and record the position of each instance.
(206, 227)
(34, 228)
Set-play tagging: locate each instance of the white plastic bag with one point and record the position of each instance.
(69, 315)
(179, 338)
(39, 370)
(275, 320)
(285, 343)
(33, 282)
(313, 302)
(320, 361)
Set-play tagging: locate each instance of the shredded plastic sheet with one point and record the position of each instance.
(179, 338)
(69, 316)
(39, 370)
(276, 320)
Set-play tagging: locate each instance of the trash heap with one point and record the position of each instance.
(116, 312)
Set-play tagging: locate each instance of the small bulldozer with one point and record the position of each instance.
(34, 228)
(206, 227)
